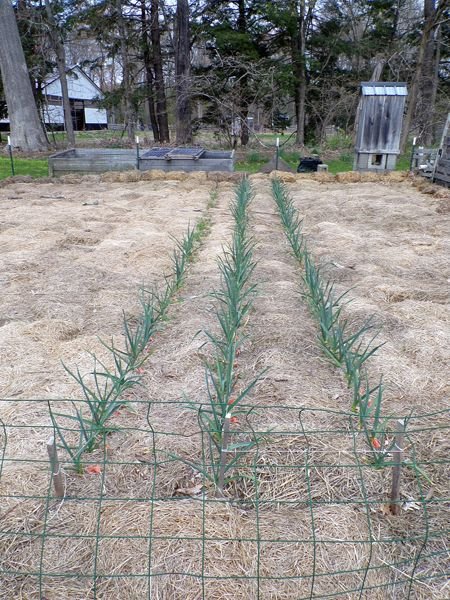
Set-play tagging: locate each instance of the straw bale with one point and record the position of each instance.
(370, 177)
(397, 176)
(70, 179)
(128, 176)
(258, 177)
(283, 176)
(219, 176)
(156, 174)
(323, 176)
(16, 179)
(199, 176)
(348, 177)
(108, 177)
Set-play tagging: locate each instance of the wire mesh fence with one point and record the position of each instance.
(305, 512)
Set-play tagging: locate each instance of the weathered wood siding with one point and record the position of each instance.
(442, 170)
(380, 124)
(91, 161)
(209, 161)
(83, 161)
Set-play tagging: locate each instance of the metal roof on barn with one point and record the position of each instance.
(375, 88)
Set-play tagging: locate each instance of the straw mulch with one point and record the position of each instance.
(72, 267)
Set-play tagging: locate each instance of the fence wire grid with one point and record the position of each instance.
(305, 513)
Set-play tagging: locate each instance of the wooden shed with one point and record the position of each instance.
(379, 125)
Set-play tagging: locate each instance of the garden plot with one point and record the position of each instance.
(72, 258)
(304, 514)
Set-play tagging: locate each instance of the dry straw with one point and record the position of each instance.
(308, 518)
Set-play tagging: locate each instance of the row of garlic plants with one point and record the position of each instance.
(346, 348)
(225, 397)
(103, 388)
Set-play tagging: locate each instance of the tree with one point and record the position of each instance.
(26, 129)
(303, 12)
(127, 82)
(425, 71)
(429, 77)
(182, 74)
(236, 33)
(55, 34)
(161, 104)
(148, 73)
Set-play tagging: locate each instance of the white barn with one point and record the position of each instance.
(84, 95)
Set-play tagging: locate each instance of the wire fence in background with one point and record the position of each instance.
(305, 513)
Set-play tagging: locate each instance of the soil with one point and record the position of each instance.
(73, 258)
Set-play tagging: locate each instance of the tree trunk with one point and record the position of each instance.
(378, 69)
(434, 86)
(161, 104)
(129, 112)
(58, 47)
(299, 69)
(26, 129)
(431, 15)
(182, 74)
(147, 60)
(242, 28)
(428, 86)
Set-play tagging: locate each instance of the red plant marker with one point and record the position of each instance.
(93, 469)
(376, 443)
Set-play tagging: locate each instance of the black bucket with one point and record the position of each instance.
(308, 165)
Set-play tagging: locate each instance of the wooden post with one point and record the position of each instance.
(55, 467)
(397, 456)
(223, 454)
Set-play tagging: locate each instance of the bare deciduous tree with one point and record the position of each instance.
(182, 73)
(26, 129)
(60, 53)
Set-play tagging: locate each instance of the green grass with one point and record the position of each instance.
(252, 163)
(36, 167)
(403, 162)
(111, 135)
(341, 164)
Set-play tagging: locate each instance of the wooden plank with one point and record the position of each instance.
(445, 177)
(219, 164)
(380, 123)
(83, 161)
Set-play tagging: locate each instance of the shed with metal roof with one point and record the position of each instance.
(379, 125)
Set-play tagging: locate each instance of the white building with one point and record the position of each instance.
(84, 96)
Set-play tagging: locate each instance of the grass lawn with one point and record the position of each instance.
(252, 161)
(343, 162)
(36, 167)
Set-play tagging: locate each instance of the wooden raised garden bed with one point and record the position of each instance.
(82, 160)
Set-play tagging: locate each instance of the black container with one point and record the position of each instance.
(308, 165)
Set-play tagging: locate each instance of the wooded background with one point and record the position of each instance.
(174, 66)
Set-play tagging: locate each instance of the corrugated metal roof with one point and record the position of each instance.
(382, 88)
